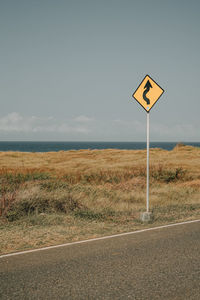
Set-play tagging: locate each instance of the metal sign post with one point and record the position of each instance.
(147, 94)
(147, 162)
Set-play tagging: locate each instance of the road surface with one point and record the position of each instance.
(158, 264)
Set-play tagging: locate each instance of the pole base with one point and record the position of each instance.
(146, 217)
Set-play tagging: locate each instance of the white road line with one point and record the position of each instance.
(98, 239)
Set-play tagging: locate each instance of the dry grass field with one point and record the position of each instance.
(57, 197)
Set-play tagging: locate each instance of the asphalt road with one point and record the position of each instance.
(159, 264)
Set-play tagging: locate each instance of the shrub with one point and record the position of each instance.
(89, 215)
(166, 175)
(53, 185)
(34, 201)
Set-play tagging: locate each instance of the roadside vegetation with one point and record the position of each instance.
(57, 197)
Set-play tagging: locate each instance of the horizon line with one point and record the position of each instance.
(96, 141)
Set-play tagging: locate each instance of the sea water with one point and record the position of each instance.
(58, 146)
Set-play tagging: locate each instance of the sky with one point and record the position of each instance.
(69, 69)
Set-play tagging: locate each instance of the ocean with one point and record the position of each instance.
(58, 146)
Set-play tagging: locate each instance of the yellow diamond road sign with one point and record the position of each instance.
(148, 93)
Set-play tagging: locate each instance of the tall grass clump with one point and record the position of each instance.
(36, 201)
(10, 183)
(167, 175)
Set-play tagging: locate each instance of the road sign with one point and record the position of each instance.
(148, 93)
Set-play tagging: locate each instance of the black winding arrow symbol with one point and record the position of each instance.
(147, 88)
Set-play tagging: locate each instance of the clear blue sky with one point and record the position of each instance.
(69, 69)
